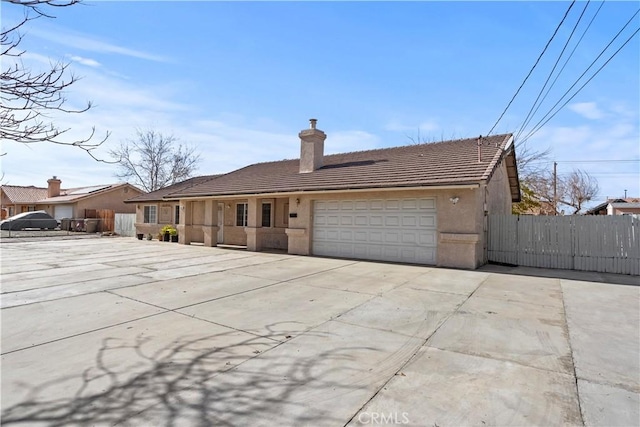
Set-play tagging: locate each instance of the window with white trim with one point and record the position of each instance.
(150, 215)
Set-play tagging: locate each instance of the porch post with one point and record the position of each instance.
(210, 227)
(184, 228)
(254, 219)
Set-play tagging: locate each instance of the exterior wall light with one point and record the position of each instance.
(454, 199)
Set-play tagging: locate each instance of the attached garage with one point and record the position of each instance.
(63, 211)
(398, 229)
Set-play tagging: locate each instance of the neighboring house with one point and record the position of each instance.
(156, 209)
(17, 199)
(67, 203)
(628, 206)
(424, 204)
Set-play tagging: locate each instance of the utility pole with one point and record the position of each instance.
(555, 188)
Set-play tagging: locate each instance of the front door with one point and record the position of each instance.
(221, 223)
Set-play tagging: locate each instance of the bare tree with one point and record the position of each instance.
(577, 188)
(30, 97)
(572, 190)
(537, 185)
(154, 160)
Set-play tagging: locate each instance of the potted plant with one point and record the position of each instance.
(168, 232)
(139, 236)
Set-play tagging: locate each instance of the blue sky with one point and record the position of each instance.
(239, 80)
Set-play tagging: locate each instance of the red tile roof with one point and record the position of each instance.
(20, 194)
(443, 163)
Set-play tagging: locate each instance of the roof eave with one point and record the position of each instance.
(467, 185)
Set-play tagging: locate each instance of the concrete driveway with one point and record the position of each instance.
(116, 331)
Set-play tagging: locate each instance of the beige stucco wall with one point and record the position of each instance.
(201, 223)
(626, 211)
(162, 218)
(113, 200)
(461, 226)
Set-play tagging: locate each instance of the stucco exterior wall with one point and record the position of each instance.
(461, 219)
(162, 218)
(459, 225)
(113, 200)
(498, 192)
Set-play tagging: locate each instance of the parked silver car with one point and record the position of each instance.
(35, 219)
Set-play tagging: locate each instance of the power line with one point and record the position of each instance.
(542, 121)
(561, 69)
(532, 68)
(598, 161)
(588, 161)
(530, 113)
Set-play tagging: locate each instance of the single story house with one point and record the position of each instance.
(67, 203)
(156, 209)
(422, 203)
(624, 206)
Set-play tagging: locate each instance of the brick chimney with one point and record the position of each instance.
(54, 187)
(311, 148)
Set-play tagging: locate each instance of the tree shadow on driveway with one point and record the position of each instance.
(193, 382)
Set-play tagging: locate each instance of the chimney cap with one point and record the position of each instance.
(313, 123)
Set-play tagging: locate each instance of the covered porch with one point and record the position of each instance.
(258, 223)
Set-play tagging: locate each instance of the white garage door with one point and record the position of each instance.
(63, 211)
(401, 230)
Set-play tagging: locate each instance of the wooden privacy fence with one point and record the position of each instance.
(106, 217)
(608, 244)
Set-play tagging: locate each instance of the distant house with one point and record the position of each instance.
(66, 203)
(621, 206)
(157, 208)
(423, 204)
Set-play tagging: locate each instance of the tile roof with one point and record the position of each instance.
(442, 163)
(70, 195)
(21, 194)
(163, 193)
(31, 194)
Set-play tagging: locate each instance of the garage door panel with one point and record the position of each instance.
(427, 204)
(376, 220)
(409, 220)
(361, 220)
(392, 204)
(428, 221)
(376, 204)
(392, 221)
(375, 236)
(346, 220)
(391, 237)
(426, 239)
(409, 204)
(409, 238)
(402, 230)
(346, 235)
(360, 236)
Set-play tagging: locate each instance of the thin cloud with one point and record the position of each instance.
(85, 61)
(87, 43)
(588, 110)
